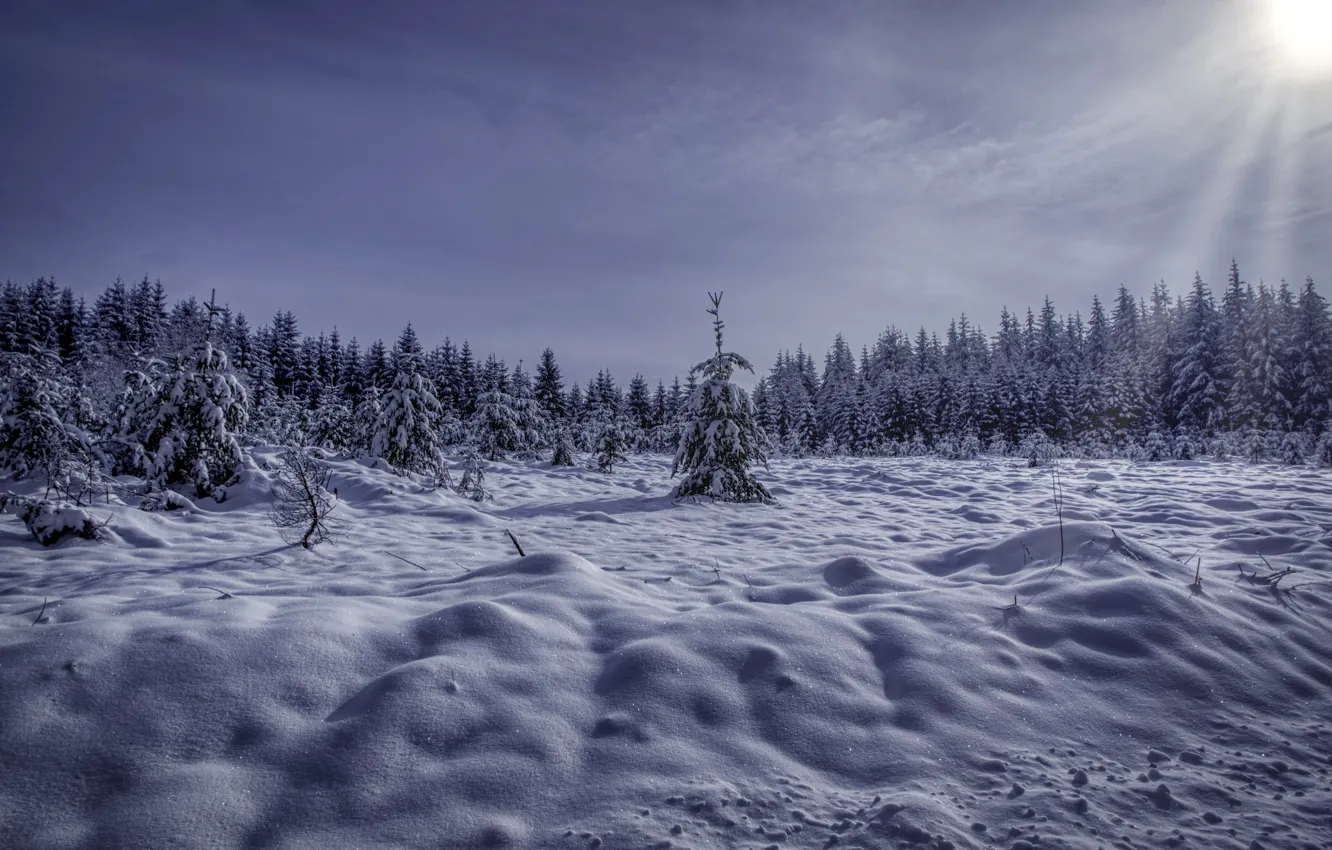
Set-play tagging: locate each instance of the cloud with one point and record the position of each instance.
(577, 174)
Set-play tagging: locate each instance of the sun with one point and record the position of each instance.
(1303, 30)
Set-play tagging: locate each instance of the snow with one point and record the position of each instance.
(842, 664)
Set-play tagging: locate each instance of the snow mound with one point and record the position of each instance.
(597, 516)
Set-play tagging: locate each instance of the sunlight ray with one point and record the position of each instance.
(1215, 204)
(1275, 246)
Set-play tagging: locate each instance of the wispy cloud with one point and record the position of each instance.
(574, 174)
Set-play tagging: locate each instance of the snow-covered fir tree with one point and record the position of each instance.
(563, 454)
(186, 421)
(39, 412)
(504, 424)
(612, 444)
(1311, 344)
(1195, 393)
(723, 441)
(407, 429)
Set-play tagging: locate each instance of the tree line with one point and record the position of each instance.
(1156, 377)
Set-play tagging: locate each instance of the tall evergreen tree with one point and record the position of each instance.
(549, 388)
(1311, 340)
(723, 441)
(1196, 392)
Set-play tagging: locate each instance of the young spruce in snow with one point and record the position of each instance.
(186, 424)
(723, 440)
(612, 441)
(407, 433)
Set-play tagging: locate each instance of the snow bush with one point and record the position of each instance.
(164, 500)
(717, 448)
(50, 521)
(1038, 449)
(968, 447)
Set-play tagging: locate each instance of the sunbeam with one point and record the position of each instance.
(1216, 203)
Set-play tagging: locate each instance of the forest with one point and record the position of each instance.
(136, 384)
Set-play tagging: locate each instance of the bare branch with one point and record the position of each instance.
(302, 500)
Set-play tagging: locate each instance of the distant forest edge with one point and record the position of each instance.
(1149, 378)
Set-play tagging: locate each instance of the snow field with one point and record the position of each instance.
(839, 669)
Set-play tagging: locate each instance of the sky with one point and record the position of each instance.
(580, 175)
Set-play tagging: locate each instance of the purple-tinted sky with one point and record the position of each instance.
(580, 174)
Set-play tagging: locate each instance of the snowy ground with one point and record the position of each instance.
(838, 670)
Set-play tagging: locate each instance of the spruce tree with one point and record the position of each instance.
(504, 425)
(722, 441)
(1196, 389)
(1311, 341)
(563, 454)
(549, 388)
(407, 430)
(612, 442)
(189, 420)
(39, 431)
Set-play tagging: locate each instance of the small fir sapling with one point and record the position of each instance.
(611, 444)
(473, 480)
(1323, 451)
(407, 433)
(1292, 449)
(505, 424)
(50, 521)
(187, 424)
(302, 500)
(723, 439)
(39, 408)
(563, 454)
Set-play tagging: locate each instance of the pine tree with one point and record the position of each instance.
(721, 443)
(148, 315)
(549, 388)
(1196, 391)
(1311, 340)
(39, 430)
(836, 399)
(114, 323)
(407, 430)
(284, 352)
(467, 381)
(1235, 349)
(366, 415)
(563, 454)
(408, 347)
(331, 421)
(504, 425)
(611, 444)
(71, 330)
(574, 404)
(375, 368)
(1270, 406)
(188, 435)
(639, 405)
